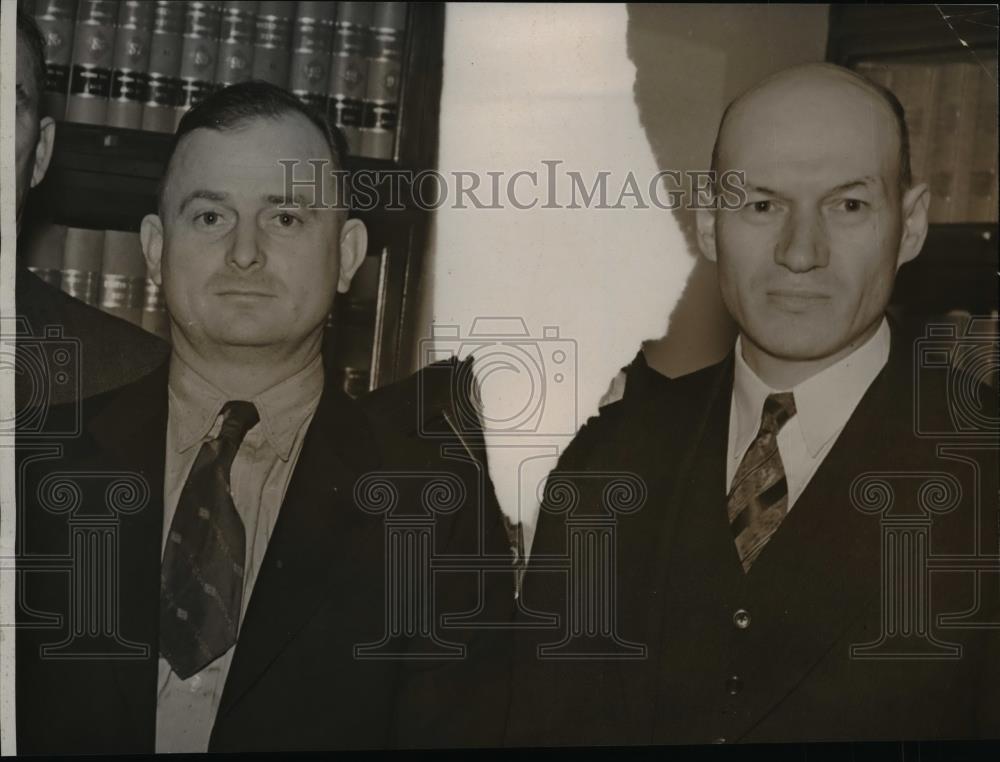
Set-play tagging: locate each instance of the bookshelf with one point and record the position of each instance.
(941, 61)
(106, 178)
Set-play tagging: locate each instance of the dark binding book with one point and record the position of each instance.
(40, 246)
(83, 257)
(154, 311)
(123, 276)
(349, 71)
(130, 66)
(378, 129)
(312, 43)
(198, 52)
(272, 42)
(235, 64)
(164, 86)
(93, 50)
(56, 21)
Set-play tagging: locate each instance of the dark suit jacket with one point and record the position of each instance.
(815, 591)
(110, 352)
(295, 681)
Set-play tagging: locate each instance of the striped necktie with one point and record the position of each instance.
(201, 579)
(758, 499)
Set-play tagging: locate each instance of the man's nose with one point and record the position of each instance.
(244, 250)
(803, 244)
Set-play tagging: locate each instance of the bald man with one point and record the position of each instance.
(772, 587)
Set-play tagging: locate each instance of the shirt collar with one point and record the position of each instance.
(823, 403)
(195, 404)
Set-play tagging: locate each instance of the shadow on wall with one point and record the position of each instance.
(690, 61)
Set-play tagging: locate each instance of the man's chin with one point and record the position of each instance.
(798, 343)
(246, 339)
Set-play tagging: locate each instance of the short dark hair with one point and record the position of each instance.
(889, 97)
(235, 105)
(31, 35)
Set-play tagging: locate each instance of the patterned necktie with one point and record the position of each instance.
(201, 579)
(758, 499)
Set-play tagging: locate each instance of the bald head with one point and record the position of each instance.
(807, 260)
(816, 98)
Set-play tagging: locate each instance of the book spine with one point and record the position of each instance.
(90, 73)
(236, 35)
(349, 71)
(154, 311)
(944, 139)
(272, 42)
(130, 69)
(43, 251)
(362, 297)
(200, 48)
(82, 258)
(164, 67)
(311, 48)
(55, 20)
(981, 178)
(123, 276)
(378, 130)
(354, 326)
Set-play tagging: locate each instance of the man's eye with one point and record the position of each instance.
(762, 207)
(287, 220)
(207, 218)
(852, 204)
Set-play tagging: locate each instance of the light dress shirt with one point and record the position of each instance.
(261, 471)
(824, 403)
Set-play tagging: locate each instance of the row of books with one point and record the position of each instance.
(106, 269)
(142, 63)
(103, 268)
(951, 112)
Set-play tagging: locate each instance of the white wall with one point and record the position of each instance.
(527, 83)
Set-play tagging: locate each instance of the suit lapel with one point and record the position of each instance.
(316, 543)
(702, 414)
(131, 436)
(666, 438)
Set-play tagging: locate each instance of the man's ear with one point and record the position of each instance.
(151, 237)
(43, 149)
(706, 233)
(915, 203)
(353, 247)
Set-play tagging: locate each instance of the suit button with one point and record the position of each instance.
(734, 685)
(741, 618)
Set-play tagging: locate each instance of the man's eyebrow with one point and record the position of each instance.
(209, 195)
(762, 189)
(863, 182)
(280, 199)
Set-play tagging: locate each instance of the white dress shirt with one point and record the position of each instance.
(824, 404)
(261, 471)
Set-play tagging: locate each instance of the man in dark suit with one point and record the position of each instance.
(112, 352)
(248, 557)
(814, 559)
